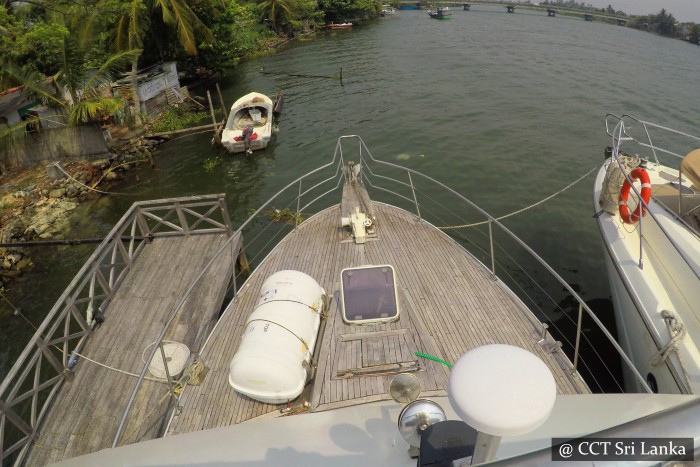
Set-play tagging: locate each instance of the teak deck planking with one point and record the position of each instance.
(449, 303)
(87, 411)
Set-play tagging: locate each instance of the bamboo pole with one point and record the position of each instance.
(221, 101)
(187, 130)
(216, 139)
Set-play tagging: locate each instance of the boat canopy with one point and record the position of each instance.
(690, 167)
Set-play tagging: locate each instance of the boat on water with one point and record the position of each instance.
(367, 333)
(339, 26)
(440, 12)
(249, 125)
(388, 10)
(647, 203)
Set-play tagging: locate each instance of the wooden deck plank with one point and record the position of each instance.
(438, 321)
(95, 399)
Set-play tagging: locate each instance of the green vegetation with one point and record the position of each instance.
(65, 53)
(214, 34)
(662, 23)
(285, 214)
(210, 164)
(175, 118)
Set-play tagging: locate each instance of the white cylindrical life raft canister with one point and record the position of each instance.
(279, 339)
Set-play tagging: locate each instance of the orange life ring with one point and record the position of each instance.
(633, 217)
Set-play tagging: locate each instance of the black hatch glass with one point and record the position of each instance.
(369, 294)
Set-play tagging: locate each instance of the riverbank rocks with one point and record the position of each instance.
(13, 262)
(34, 207)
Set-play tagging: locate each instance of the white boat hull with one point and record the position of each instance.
(641, 295)
(228, 139)
(634, 337)
(254, 111)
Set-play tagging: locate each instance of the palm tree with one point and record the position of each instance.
(274, 11)
(133, 24)
(71, 90)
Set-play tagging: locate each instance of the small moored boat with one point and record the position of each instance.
(340, 26)
(249, 125)
(441, 12)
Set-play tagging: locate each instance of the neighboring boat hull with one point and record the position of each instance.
(440, 13)
(634, 336)
(664, 282)
(340, 26)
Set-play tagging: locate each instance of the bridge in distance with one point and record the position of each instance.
(510, 7)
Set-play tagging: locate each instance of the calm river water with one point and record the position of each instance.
(507, 108)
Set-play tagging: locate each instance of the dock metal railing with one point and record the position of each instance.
(28, 390)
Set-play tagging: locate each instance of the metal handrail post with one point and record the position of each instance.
(296, 217)
(493, 253)
(641, 235)
(165, 368)
(415, 199)
(578, 336)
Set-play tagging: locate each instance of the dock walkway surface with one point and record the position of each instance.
(87, 411)
(161, 275)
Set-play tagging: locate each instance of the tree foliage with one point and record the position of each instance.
(341, 10)
(662, 23)
(237, 32)
(68, 83)
(694, 34)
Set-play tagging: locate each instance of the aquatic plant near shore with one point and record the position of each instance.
(175, 118)
(210, 164)
(285, 214)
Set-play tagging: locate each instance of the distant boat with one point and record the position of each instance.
(340, 26)
(249, 125)
(441, 12)
(387, 10)
(409, 7)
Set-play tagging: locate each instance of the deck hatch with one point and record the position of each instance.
(368, 294)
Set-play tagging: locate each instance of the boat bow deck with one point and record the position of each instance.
(449, 304)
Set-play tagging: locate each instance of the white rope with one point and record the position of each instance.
(88, 187)
(677, 330)
(157, 380)
(527, 207)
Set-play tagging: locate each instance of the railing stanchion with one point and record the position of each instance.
(296, 217)
(415, 199)
(493, 253)
(165, 368)
(578, 336)
(641, 235)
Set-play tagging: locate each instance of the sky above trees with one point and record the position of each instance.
(682, 10)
